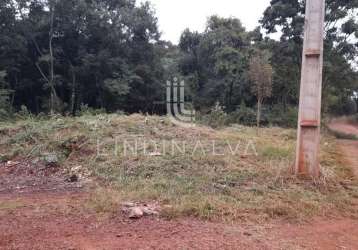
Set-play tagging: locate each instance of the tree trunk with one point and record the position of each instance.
(231, 91)
(53, 95)
(73, 94)
(13, 96)
(51, 80)
(99, 99)
(258, 118)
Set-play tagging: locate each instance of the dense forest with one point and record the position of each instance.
(65, 56)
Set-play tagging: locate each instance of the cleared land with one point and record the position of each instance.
(228, 199)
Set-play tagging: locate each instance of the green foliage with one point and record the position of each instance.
(276, 115)
(109, 56)
(23, 113)
(350, 107)
(244, 115)
(283, 117)
(5, 93)
(86, 110)
(214, 63)
(341, 53)
(216, 118)
(260, 75)
(104, 54)
(4, 104)
(341, 104)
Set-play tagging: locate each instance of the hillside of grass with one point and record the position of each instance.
(233, 173)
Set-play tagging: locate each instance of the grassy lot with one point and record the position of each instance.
(233, 173)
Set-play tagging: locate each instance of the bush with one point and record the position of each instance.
(350, 107)
(341, 106)
(243, 115)
(216, 118)
(5, 106)
(279, 116)
(23, 113)
(4, 115)
(276, 116)
(86, 110)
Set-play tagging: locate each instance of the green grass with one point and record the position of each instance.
(10, 206)
(256, 186)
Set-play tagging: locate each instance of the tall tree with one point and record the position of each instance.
(341, 47)
(103, 53)
(260, 74)
(215, 63)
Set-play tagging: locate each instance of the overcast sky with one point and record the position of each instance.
(176, 15)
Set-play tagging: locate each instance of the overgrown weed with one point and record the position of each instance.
(257, 186)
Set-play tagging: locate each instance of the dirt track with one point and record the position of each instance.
(344, 127)
(39, 210)
(349, 148)
(55, 221)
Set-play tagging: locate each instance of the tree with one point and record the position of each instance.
(103, 53)
(108, 54)
(34, 18)
(215, 63)
(260, 74)
(5, 96)
(341, 50)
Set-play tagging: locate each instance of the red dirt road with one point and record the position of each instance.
(50, 220)
(344, 127)
(53, 224)
(348, 148)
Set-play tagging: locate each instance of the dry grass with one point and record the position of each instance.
(255, 185)
(10, 205)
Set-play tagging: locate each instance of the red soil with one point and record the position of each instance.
(344, 127)
(349, 148)
(56, 220)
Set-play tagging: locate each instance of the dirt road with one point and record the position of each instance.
(349, 148)
(343, 127)
(49, 220)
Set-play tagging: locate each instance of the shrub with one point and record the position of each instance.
(216, 118)
(341, 106)
(282, 117)
(4, 115)
(350, 107)
(5, 107)
(86, 110)
(244, 115)
(276, 115)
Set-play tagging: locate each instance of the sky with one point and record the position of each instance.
(176, 15)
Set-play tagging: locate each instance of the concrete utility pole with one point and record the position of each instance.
(309, 121)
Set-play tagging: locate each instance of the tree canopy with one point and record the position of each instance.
(56, 56)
